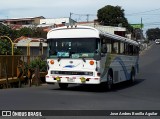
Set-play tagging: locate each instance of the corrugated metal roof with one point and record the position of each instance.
(32, 42)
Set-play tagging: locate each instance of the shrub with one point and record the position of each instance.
(38, 63)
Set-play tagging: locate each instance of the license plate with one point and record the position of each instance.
(70, 80)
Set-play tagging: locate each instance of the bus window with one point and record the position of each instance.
(122, 48)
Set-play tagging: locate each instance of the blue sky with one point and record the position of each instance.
(62, 8)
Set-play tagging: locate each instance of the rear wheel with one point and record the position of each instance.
(132, 79)
(109, 81)
(63, 85)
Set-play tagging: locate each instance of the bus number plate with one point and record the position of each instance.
(70, 80)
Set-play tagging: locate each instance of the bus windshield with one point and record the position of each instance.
(73, 47)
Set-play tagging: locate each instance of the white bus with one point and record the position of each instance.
(85, 55)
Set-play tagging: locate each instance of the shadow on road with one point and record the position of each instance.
(101, 88)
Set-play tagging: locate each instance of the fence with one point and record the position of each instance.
(9, 66)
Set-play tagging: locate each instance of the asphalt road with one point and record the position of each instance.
(144, 94)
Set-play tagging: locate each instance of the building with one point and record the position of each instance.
(48, 24)
(110, 29)
(23, 21)
(57, 21)
(31, 46)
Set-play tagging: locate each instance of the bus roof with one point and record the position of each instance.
(84, 32)
(120, 38)
(73, 32)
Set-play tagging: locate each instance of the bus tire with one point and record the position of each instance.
(132, 78)
(63, 85)
(110, 80)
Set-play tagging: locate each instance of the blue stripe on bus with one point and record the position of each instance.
(127, 75)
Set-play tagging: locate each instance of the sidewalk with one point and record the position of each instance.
(147, 47)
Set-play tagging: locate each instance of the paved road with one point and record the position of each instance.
(143, 95)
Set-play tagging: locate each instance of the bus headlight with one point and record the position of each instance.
(91, 62)
(51, 61)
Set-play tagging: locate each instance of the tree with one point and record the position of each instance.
(28, 32)
(5, 44)
(32, 32)
(6, 47)
(38, 32)
(153, 33)
(113, 16)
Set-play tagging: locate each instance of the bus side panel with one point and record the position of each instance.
(104, 68)
(122, 67)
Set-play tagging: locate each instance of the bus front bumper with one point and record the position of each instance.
(73, 79)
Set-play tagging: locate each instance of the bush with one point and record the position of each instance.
(38, 63)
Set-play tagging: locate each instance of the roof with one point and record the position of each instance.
(73, 32)
(120, 38)
(25, 19)
(32, 42)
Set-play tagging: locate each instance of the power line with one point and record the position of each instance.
(80, 15)
(143, 12)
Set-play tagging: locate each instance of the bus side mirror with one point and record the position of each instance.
(97, 56)
(104, 48)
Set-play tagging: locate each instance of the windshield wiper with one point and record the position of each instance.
(59, 58)
(83, 59)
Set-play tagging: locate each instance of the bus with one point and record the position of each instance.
(86, 55)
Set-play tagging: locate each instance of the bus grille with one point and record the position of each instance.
(72, 73)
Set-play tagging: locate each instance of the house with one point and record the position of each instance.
(48, 24)
(63, 21)
(110, 29)
(23, 21)
(32, 46)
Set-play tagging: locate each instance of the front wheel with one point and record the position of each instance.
(63, 85)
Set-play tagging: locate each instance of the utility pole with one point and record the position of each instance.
(141, 28)
(70, 15)
(87, 17)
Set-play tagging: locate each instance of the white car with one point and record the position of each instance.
(157, 41)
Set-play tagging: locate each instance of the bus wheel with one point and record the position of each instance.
(132, 79)
(109, 81)
(63, 85)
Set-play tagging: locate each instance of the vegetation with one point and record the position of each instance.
(32, 32)
(38, 63)
(153, 33)
(25, 31)
(5, 44)
(113, 16)
(6, 47)
(7, 31)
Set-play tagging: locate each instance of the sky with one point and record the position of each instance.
(148, 10)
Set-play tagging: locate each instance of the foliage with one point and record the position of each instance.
(38, 63)
(113, 16)
(7, 31)
(138, 34)
(153, 33)
(6, 47)
(4, 30)
(25, 31)
(32, 32)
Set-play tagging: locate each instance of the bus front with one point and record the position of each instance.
(73, 56)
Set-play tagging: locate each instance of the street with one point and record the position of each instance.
(144, 94)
